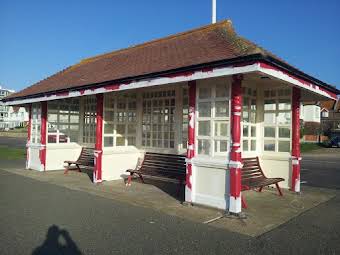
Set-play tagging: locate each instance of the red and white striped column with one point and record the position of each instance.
(235, 163)
(98, 152)
(43, 135)
(296, 155)
(29, 130)
(191, 140)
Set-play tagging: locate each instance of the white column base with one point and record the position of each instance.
(235, 204)
(188, 195)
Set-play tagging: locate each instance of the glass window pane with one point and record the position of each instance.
(269, 105)
(120, 141)
(269, 145)
(245, 116)
(108, 141)
(204, 109)
(221, 146)
(269, 118)
(131, 129)
(253, 145)
(245, 131)
(204, 93)
(269, 132)
(284, 146)
(284, 104)
(253, 117)
(283, 118)
(52, 117)
(222, 90)
(221, 128)
(253, 105)
(131, 140)
(203, 147)
(108, 116)
(120, 129)
(253, 132)
(245, 145)
(284, 132)
(52, 138)
(108, 128)
(222, 109)
(204, 128)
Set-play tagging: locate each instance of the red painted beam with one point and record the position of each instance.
(296, 154)
(97, 174)
(43, 134)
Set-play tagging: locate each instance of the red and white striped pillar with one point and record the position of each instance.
(29, 130)
(296, 155)
(43, 135)
(235, 163)
(191, 140)
(98, 152)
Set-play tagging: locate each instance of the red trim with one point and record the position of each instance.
(191, 131)
(99, 139)
(296, 137)
(307, 83)
(29, 128)
(42, 152)
(65, 93)
(235, 154)
(112, 87)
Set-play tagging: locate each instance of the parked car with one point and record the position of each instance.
(334, 142)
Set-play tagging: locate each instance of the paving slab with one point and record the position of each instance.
(266, 210)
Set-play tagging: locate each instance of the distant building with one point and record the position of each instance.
(11, 116)
(330, 117)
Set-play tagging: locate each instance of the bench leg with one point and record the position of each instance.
(260, 189)
(129, 180)
(278, 189)
(67, 168)
(243, 201)
(78, 168)
(141, 178)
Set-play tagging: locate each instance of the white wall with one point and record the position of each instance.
(310, 113)
(56, 154)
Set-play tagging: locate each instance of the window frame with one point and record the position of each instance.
(213, 120)
(277, 126)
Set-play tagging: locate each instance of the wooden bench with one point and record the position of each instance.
(86, 158)
(253, 177)
(167, 167)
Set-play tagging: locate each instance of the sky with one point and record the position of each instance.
(39, 38)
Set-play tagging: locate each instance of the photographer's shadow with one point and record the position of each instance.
(58, 241)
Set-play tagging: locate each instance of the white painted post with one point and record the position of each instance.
(213, 12)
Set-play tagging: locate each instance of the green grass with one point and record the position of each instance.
(11, 153)
(306, 147)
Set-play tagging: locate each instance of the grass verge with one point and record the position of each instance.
(306, 147)
(11, 153)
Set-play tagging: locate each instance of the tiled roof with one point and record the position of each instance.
(329, 105)
(207, 44)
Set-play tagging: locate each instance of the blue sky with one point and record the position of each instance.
(39, 38)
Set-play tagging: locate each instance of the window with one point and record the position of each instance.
(158, 119)
(277, 120)
(36, 123)
(249, 120)
(63, 121)
(324, 114)
(89, 120)
(213, 119)
(120, 120)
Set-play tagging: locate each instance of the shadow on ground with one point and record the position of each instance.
(58, 241)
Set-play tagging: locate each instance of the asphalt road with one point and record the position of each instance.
(14, 142)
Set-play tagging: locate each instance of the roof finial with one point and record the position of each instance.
(213, 19)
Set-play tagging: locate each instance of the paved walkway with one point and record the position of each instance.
(266, 209)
